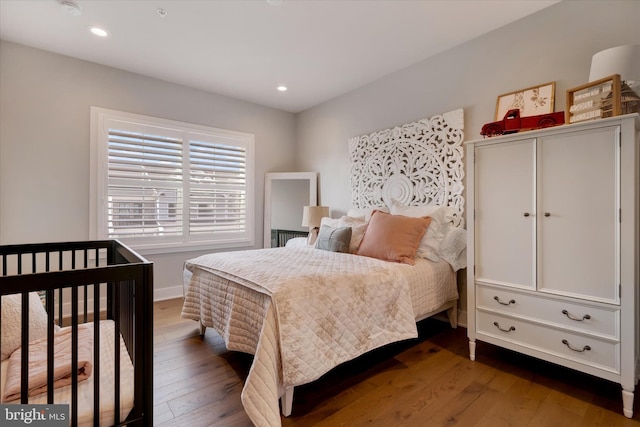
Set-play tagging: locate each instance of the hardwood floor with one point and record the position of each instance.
(429, 381)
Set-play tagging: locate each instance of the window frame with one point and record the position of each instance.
(99, 181)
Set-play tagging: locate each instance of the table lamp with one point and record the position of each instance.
(311, 217)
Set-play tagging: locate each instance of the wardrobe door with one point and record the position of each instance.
(504, 214)
(578, 214)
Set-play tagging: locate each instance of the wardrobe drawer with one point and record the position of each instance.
(591, 319)
(598, 353)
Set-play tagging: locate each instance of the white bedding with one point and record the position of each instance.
(303, 311)
(85, 388)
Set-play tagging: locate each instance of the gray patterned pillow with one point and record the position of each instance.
(334, 239)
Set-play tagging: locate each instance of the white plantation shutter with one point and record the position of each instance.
(217, 200)
(165, 183)
(145, 184)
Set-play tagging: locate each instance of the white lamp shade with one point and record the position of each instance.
(312, 215)
(623, 60)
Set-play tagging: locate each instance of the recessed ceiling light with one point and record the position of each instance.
(275, 2)
(97, 31)
(282, 88)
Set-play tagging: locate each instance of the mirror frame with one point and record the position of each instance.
(274, 176)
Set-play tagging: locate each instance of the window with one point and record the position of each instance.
(166, 185)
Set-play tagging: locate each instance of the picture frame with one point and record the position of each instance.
(531, 101)
(594, 100)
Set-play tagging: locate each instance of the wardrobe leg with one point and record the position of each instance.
(627, 403)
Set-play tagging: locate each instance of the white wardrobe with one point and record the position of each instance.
(553, 251)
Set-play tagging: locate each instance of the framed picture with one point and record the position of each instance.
(594, 100)
(530, 101)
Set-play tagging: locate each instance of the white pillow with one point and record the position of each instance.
(365, 213)
(454, 248)
(297, 242)
(358, 227)
(12, 321)
(441, 222)
(330, 222)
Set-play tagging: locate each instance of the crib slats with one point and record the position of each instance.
(24, 353)
(60, 265)
(50, 321)
(74, 355)
(116, 352)
(96, 354)
(96, 346)
(86, 294)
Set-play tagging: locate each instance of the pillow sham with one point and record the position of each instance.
(454, 248)
(331, 222)
(358, 228)
(441, 223)
(365, 213)
(334, 239)
(12, 322)
(393, 237)
(297, 242)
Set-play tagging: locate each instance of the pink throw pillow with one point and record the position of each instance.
(393, 237)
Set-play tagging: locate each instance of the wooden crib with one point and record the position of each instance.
(102, 284)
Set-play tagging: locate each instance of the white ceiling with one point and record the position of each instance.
(244, 49)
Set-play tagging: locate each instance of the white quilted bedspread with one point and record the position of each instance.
(303, 312)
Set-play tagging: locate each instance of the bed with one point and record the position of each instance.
(303, 310)
(280, 238)
(101, 365)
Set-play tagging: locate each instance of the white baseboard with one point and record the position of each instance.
(167, 293)
(158, 295)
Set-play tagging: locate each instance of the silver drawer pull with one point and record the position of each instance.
(511, 328)
(585, 348)
(504, 303)
(577, 319)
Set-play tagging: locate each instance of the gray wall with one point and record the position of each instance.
(44, 142)
(555, 44)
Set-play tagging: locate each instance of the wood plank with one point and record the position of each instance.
(422, 382)
(211, 368)
(469, 406)
(162, 413)
(189, 402)
(393, 393)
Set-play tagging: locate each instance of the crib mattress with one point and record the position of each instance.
(85, 388)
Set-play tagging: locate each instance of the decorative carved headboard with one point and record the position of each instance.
(417, 164)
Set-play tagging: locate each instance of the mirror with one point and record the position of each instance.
(285, 193)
